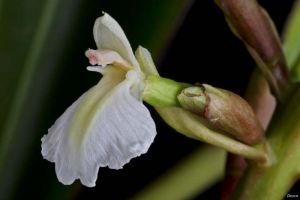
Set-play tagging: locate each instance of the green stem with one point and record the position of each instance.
(273, 182)
(263, 104)
(291, 36)
(162, 92)
(292, 42)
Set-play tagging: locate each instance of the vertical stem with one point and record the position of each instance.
(273, 182)
(251, 24)
(263, 103)
(235, 167)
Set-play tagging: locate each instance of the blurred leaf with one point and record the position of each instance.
(291, 35)
(34, 37)
(191, 176)
(291, 38)
(22, 41)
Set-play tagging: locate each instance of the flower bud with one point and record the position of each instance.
(224, 110)
(252, 24)
(193, 99)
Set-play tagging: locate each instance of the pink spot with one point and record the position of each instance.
(92, 55)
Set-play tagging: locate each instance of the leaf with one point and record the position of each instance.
(291, 39)
(291, 36)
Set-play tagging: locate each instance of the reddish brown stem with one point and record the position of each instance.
(235, 166)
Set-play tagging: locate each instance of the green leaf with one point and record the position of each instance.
(22, 42)
(291, 38)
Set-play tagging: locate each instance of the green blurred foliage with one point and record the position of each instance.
(291, 41)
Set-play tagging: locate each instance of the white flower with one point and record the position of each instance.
(108, 125)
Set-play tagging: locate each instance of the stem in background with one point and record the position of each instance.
(263, 103)
(291, 39)
(251, 24)
(283, 136)
(235, 167)
(194, 174)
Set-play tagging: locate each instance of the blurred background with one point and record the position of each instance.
(43, 70)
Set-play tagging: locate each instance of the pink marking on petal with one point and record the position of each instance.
(93, 56)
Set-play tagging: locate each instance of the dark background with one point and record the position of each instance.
(201, 49)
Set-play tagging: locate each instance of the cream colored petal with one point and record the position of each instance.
(104, 127)
(108, 34)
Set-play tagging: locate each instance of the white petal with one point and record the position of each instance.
(106, 129)
(108, 34)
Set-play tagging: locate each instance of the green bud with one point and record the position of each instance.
(224, 110)
(193, 98)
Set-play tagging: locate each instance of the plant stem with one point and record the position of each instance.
(235, 167)
(263, 104)
(273, 182)
(162, 92)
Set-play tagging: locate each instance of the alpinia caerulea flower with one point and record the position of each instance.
(108, 125)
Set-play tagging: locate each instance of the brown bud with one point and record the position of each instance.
(224, 110)
(252, 24)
